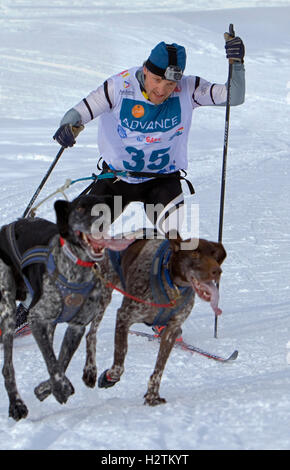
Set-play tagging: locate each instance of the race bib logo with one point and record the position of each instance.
(138, 111)
(124, 74)
(177, 133)
(147, 118)
(122, 133)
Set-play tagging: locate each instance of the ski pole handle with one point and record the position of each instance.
(231, 34)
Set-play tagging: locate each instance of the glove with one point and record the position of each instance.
(66, 134)
(235, 49)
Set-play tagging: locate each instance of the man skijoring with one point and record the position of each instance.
(145, 116)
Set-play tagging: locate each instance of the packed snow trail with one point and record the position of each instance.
(53, 54)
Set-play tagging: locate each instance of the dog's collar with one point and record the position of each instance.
(73, 257)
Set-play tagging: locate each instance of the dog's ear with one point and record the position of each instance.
(219, 252)
(175, 240)
(62, 210)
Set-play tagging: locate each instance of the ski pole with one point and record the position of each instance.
(35, 195)
(225, 152)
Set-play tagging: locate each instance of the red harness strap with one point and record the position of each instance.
(74, 258)
(152, 304)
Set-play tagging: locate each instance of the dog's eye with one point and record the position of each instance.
(80, 210)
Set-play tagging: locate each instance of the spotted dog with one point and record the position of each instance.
(54, 263)
(154, 272)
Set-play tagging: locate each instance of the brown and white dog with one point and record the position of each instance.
(198, 269)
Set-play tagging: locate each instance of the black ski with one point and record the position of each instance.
(188, 347)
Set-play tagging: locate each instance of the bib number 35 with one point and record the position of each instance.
(158, 159)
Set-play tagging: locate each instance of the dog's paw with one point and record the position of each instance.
(105, 381)
(62, 389)
(90, 376)
(18, 410)
(152, 399)
(43, 390)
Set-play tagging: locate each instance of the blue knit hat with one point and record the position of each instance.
(164, 55)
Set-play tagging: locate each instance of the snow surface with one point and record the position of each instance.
(51, 55)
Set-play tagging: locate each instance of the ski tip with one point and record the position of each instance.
(233, 356)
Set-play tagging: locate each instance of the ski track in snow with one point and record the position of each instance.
(53, 54)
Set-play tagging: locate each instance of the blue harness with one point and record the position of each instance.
(159, 264)
(73, 295)
(116, 260)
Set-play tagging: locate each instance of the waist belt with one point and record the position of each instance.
(148, 174)
(108, 172)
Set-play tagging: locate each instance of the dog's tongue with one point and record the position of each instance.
(209, 292)
(118, 244)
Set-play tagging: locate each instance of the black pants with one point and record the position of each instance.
(155, 191)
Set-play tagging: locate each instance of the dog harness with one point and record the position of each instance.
(116, 260)
(158, 286)
(160, 263)
(73, 294)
